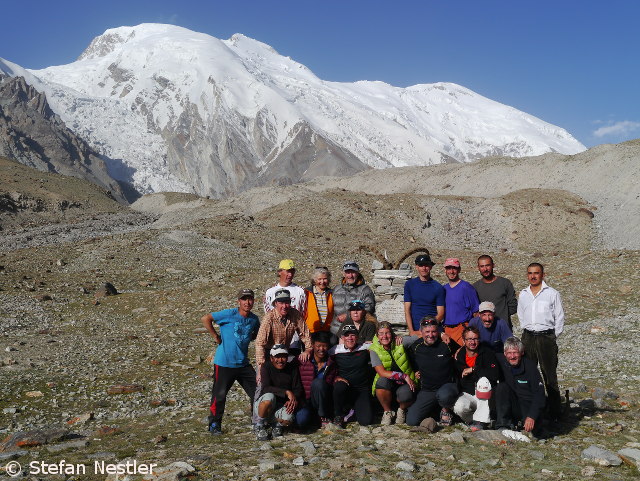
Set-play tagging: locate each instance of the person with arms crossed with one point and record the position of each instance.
(496, 289)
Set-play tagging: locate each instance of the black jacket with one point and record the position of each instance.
(278, 381)
(486, 366)
(526, 383)
(435, 363)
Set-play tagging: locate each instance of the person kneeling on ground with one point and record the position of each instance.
(282, 394)
(477, 371)
(433, 359)
(317, 377)
(394, 375)
(520, 399)
(352, 386)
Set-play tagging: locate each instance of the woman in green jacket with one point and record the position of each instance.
(393, 374)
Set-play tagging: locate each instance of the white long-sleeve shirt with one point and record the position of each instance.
(541, 312)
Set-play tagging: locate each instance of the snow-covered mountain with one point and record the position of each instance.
(179, 110)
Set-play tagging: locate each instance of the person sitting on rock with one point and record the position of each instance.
(365, 324)
(319, 300)
(493, 331)
(433, 359)
(520, 399)
(317, 378)
(351, 288)
(282, 394)
(394, 374)
(352, 384)
(478, 372)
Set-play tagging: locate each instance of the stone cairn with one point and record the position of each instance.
(388, 286)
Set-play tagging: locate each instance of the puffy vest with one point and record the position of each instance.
(399, 355)
(312, 316)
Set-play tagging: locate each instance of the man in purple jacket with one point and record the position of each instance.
(317, 380)
(461, 301)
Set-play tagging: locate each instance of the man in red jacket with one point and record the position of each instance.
(317, 380)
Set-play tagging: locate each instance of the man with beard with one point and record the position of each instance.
(542, 320)
(433, 359)
(496, 289)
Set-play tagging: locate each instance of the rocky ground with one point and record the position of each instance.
(126, 377)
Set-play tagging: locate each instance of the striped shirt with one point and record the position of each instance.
(321, 302)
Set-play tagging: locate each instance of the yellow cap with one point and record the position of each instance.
(286, 264)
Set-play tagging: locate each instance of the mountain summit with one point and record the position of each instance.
(180, 110)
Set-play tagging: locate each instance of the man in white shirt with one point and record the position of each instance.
(286, 271)
(542, 321)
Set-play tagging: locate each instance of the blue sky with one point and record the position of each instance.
(573, 63)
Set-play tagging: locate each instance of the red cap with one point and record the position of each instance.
(452, 261)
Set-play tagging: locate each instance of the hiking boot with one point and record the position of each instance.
(338, 422)
(446, 418)
(215, 428)
(277, 431)
(387, 418)
(476, 426)
(401, 416)
(324, 422)
(261, 432)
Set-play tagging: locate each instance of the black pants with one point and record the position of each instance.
(345, 397)
(223, 379)
(510, 410)
(543, 350)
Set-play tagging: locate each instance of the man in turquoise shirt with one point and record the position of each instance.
(238, 327)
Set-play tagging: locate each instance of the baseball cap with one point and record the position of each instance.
(487, 306)
(424, 260)
(356, 305)
(452, 262)
(351, 266)
(286, 264)
(483, 388)
(279, 349)
(349, 329)
(282, 295)
(245, 293)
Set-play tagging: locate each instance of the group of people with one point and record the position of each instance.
(323, 358)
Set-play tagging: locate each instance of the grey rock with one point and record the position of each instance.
(299, 461)
(587, 404)
(10, 410)
(308, 447)
(408, 466)
(56, 448)
(266, 465)
(324, 473)
(376, 264)
(12, 455)
(601, 456)
(456, 437)
(631, 455)
(488, 435)
(539, 455)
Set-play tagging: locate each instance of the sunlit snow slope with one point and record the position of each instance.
(181, 110)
